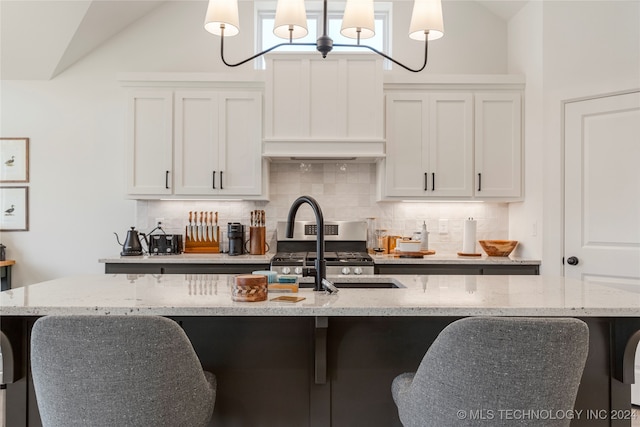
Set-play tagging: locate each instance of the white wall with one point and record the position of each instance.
(76, 124)
(588, 48)
(525, 57)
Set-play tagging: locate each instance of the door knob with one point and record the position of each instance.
(572, 260)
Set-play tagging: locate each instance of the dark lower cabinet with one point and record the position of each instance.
(144, 268)
(478, 269)
(170, 268)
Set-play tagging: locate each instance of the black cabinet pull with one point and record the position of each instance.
(221, 180)
(426, 183)
(433, 181)
(479, 182)
(214, 180)
(166, 180)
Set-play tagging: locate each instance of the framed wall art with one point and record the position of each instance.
(14, 208)
(14, 160)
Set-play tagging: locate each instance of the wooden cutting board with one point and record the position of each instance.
(417, 254)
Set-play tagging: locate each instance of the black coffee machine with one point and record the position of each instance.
(235, 234)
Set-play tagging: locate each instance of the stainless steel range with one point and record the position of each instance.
(345, 248)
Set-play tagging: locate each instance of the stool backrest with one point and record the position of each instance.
(117, 371)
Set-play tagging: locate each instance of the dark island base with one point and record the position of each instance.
(306, 371)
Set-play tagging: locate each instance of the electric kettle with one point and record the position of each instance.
(132, 245)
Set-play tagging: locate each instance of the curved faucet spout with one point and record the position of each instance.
(320, 263)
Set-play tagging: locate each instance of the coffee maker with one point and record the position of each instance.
(235, 234)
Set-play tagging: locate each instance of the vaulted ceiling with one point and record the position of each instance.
(39, 39)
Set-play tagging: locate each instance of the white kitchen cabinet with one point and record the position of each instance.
(324, 107)
(150, 142)
(218, 143)
(429, 145)
(452, 145)
(195, 143)
(498, 145)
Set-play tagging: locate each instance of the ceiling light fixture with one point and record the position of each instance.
(357, 23)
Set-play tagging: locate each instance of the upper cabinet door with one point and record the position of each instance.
(498, 135)
(196, 142)
(429, 145)
(336, 98)
(149, 142)
(204, 143)
(450, 145)
(405, 172)
(240, 136)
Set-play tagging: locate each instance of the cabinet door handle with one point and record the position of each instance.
(221, 180)
(214, 179)
(433, 181)
(166, 180)
(479, 182)
(426, 183)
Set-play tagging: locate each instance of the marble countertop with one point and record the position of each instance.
(421, 295)
(190, 259)
(266, 259)
(454, 259)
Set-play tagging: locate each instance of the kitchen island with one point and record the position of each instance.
(330, 359)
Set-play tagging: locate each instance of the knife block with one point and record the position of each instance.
(258, 241)
(202, 240)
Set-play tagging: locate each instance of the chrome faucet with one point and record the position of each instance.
(321, 282)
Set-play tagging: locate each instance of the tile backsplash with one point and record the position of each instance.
(345, 191)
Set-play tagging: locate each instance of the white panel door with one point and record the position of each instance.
(288, 98)
(602, 193)
(498, 144)
(364, 109)
(240, 124)
(327, 99)
(149, 142)
(197, 142)
(450, 145)
(406, 164)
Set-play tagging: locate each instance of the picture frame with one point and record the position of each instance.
(14, 208)
(14, 160)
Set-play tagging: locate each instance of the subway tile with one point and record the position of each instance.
(347, 194)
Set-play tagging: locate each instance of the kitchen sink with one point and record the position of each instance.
(364, 284)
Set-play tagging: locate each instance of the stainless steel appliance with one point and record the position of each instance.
(165, 244)
(345, 248)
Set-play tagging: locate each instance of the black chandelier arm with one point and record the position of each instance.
(257, 54)
(426, 51)
(384, 55)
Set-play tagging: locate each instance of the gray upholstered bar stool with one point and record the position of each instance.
(496, 371)
(118, 371)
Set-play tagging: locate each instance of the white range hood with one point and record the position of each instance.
(299, 150)
(328, 109)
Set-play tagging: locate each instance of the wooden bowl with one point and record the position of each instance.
(498, 247)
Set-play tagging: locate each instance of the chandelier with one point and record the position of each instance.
(357, 23)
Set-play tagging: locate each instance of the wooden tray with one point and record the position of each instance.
(417, 254)
(463, 254)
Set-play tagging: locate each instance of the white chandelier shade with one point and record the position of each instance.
(291, 19)
(426, 20)
(222, 16)
(358, 20)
